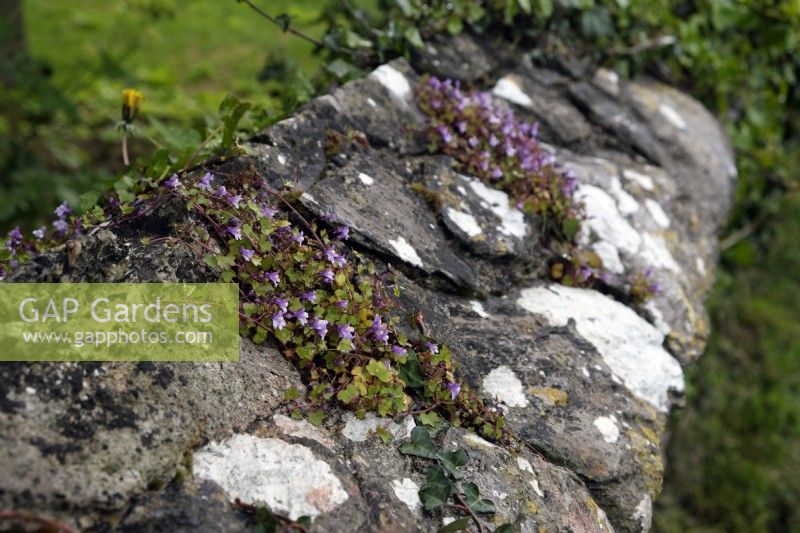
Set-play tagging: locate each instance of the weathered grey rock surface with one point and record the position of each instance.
(586, 381)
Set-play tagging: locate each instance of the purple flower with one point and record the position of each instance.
(444, 131)
(310, 296)
(301, 316)
(432, 347)
(267, 211)
(299, 237)
(274, 277)
(473, 142)
(497, 173)
(319, 325)
(173, 182)
(333, 257)
(205, 182)
(379, 330)
(454, 389)
(39, 233)
(283, 303)
(399, 350)
(461, 126)
(342, 233)
(234, 230)
(15, 236)
(61, 226)
(345, 331)
(222, 192)
(327, 275)
(278, 320)
(247, 253)
(654, 288)
(493, 141)
(584, 273)
(234, 200)
(342, 304)
(62, 211)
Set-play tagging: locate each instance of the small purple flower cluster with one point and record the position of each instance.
(490, 142)
(60, 224)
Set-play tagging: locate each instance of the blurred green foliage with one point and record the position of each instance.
(61, 99)
(735, 450)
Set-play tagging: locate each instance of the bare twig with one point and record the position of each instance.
(462, 505)
(45, 524)
(290, 29)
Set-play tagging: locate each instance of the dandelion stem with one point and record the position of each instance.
(125, 160)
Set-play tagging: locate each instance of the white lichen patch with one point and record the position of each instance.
(604, 220)
(365, 179)
(504, 385)
(674, 118)
(508, 88)
(643, 180)
(524, 465)
(282, 159)
(605, 224)
(512, 220)
(657, 317)
(405, 251)
(536, 488)
(626, 203)
(630, 346)
(608, 428)
(308, 198)
(407, 491)
(287, 478)
(371, 102)
(464, 221)
(657, 213)
(644, 513)
(655, 253)
(301, 429)
(700, 265)
(394, 81)
(360, 430)
(471, 439)
(609, 254)
(476, 306)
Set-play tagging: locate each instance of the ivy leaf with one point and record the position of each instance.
(283, 21)
(456, 525)
(345, 345)
(379, 370)
(452, 460)
(231, 111)
(315, 417)
(411, 372)
(266, 521)
(347, 394)
(472, 497)
(421, 444)
(429, 419)
(291, 394)
(436, 490)
(571, 227)
(385, 436)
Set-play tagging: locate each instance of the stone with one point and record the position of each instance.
(586, 379)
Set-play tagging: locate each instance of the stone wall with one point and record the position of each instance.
(587, 381)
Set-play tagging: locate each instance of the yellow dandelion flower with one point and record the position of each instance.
(131, 98)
